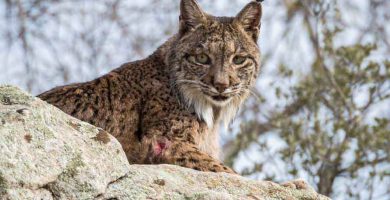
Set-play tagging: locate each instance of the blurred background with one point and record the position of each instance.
(320, 110)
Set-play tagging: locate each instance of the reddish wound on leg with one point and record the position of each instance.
(160, 147)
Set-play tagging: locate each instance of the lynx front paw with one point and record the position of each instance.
(220, 168)
(297, 184)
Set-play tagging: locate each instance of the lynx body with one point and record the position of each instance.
(167, 107)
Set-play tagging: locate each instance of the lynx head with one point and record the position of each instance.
(214, 61)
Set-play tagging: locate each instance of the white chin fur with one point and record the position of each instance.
(203, 106)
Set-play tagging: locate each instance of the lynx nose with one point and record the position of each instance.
(221, 83)
(221, 87)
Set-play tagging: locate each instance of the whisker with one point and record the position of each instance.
(255, 95)
(190, 81)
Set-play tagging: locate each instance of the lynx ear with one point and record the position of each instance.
(191, 15)
(249, 18)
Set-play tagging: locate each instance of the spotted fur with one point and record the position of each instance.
(167, 108)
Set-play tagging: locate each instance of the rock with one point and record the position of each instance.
(47, 154)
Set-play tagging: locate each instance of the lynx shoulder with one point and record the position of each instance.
(167, 107)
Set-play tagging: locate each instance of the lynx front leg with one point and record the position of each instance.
(185, 154)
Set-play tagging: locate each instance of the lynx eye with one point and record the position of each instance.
(238, 60)
(201, 59)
